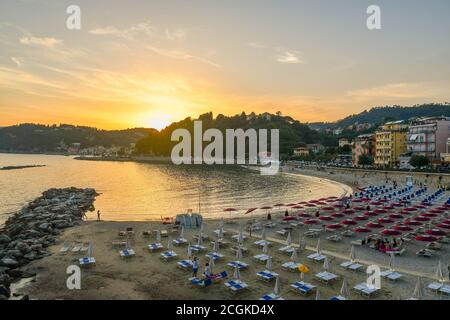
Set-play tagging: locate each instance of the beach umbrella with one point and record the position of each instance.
(326, 264)
(220, 234)
(294, 255)
(302, 244)
(170, 245)
(439, 272)
(263, 234)
(318, 247)
(289, 240)
(211, 263)
(216, 246)
(90, 250)
(221, 223)
(236, 274)
(303, 269)
(182, 232)
(239, 254)
(344, 289)
(250, 210)
(418, 290)
(200, 239)
(391, 262)
(269, 264)
(436, 232)
(352, 253)
(317, 294)
(230, 210)
(426, 238)
(302, 276)
(277, 288)
(266, 248)
(158, 235)
(189, 251)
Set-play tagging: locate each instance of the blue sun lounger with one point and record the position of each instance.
(303, 288)
(198, 248)
(127, 253)
(236, 285)
(185, 264)
(180, 241)
(239, 264)
(261, 258)
(214, 255)
(167, 255)
(266, 275)
(201, 283)
(84, 262)
(338, 298)
(155, 246)
(271, 296)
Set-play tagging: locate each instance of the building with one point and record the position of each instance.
(390, 143)
(445, 157)
(301, 152)
(344, 142)
(315, 148)
(404, 161)
(363, 145)
(428, 137)
(337, 131)
(344, 160)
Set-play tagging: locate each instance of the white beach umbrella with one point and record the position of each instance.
(289, 240)
(90, 250)
(170, 245)
(216, 246)
(391, 262)
(222, 223)
(182, 232)
(302, 276)
(303, 244)
(344, 289)
(269, 264)
(211, 263)
(201, 228)
(158, 235)
(220, 236)
(326, 264)
(189, 251)
(236, 274)
(439, 272)
(277, 288)
(294, 255)
(317, 294)
(241, 235)
(418, 290)
(239, 254)
(352, 253)
(265, 248)
(263, 234)
(200, 239)
(318, 247)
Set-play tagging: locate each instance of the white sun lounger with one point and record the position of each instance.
(236, 285)
(291, 266)
(435, 286)
(286, 249)
(185, 264)
(65, 248)
(127, 253)
(326, 277)
(391, 275)
(236, 237)
(365, 290)
(283, 232)
(261, 258)
(303, 288)
(351, 265)
(85, 262)
(167, 255)
(239, 264)
(445, 289)
(76, 249)
(271, 296)
(179, 241)
(317, 257)
(266, 275)
(198, 248)
(262, 243)
(214, 255)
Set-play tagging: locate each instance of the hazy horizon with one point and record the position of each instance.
(151, 63)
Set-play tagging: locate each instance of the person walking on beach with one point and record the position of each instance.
(98, 215)
(207, 270)
(194, 267)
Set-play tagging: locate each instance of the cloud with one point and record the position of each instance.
(17, 61)
(256, 45)
(180, 55)
(177, 34)
(128, 33)
(395, 90)
(42, 42)
(290, 57)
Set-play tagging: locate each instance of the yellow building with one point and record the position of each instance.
(301, 152)
(390, 143)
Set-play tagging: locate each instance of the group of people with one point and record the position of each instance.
(206, 273)
(384, 245)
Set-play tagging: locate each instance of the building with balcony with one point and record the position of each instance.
(428, 137)
(363, 145)
(301, 152)
(390, 143)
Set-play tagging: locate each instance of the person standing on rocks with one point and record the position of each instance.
(98, 215)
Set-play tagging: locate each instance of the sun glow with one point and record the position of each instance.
(158, 121)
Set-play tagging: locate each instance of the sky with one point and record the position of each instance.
(147, 63)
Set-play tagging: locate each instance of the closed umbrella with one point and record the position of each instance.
(317, 294)
(439, 272)
(211, 264)
(182, 232)
(266, 248)
(170, 245)
(222, 223)
(344, 289)
(326, 264)
(200, 239)
(302, 276)
(269, 264)
(418, 290)
(391, 262)
(216, 246)
(277, 288)
(239, 254)
(189, 251)
(241, 235)
(90, 250)
(158, 235)
(263, 234)
(220, 235)
(318, 247)
(352, 253)
(289, 240)
(302, 243)
(236, 274)
(294, 256)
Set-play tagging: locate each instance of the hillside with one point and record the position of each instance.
(42, 138)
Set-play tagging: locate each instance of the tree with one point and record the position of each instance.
(418, 161)
(365, 160)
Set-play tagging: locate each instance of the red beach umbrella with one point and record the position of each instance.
(388, 208)
(436, 232)
(328, 209)
(310, 205)
(359, 208)
(380, 211)
(405, 212)
(250, 210)
(288, 218)
(426, 238)
(313, 201)
(419, 206)
(444, 225)
(279, 205)
(391, 232)
(291, 204)
(411, 209)
(429, 215)
(302, 202)
(321, 203)
(338, 215)
(360, 218)
(437, 210)
(303, 215)
(385, 220)
(401, 227)
(413, 223)
(334, 226)
(362, 230)
(357, 200)
(395, 216)
(230, 210)
(326, 218)
(375, 225)
(349, 222)
(422, 219)
(349, 211)
(311, 221)
(266, 208)
(376, 203)
(338, 206)
(370, 214)
(297, 207)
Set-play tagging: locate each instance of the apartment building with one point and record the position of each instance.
(363, 145)
(390, 143)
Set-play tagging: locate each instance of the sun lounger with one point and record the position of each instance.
(348, 233)
(350, 265)
(391, 275)
(357, 242)
(236, 237)
(236, 248)
(76, 249)
(239, 264)
(65, 248)
(214, 255)
(198, 248)
(261, 258)
(185, 264)
(338, 298)
(445, 289)
(283, 232)
(167, 255)
(222, 243)
(427, 253)
(179, 241)
(217, 232)
(204, 236)
(365, 290)
(164, 233)
(262, 243)
(303, 288)
(325, 277)
(118, 243)
(127, 253)
(86, 262)
(84, 247)
(334, 238)
(236, 285)
(311, 234)
(435, 286)
(146, 233)
(270, 225)
(216, 278)
(287, 249)
(291, 266)
(317, 257)
(155, 247)
(200, 283)
(396, 252)
(266, 275)
(270, 296)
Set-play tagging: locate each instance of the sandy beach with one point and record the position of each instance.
(147, 276)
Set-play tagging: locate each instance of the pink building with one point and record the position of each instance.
(363, 145)
(428, 136)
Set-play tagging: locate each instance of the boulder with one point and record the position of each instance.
(9, 262)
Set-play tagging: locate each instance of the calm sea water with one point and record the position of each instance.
(141, 191)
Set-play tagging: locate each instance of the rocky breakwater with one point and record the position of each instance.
(27, 234)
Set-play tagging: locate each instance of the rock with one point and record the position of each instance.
(30, 256)
(9, 262)
(4, 291)
(23, 247)
(44, 226)
(4, 239)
